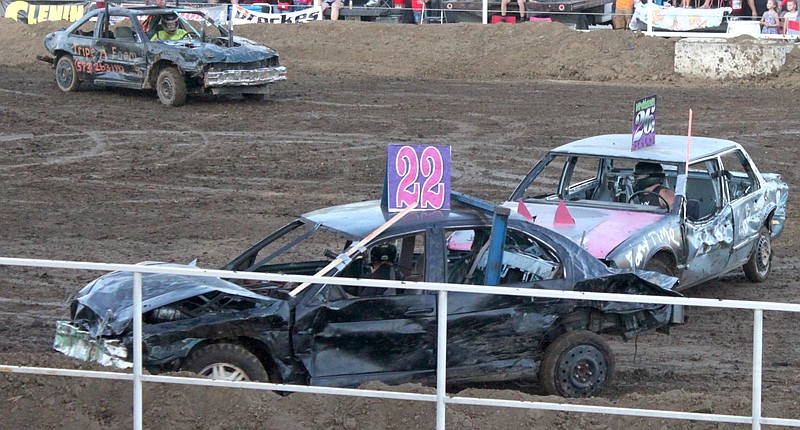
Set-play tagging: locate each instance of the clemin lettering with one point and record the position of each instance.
(35, 13)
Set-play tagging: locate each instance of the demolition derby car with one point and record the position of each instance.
(330, 335)
(129, 47)
(724, 215)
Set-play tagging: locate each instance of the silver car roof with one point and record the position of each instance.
(667, 149)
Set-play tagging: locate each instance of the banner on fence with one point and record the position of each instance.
(36, 11)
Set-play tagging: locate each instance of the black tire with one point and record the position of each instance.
(661, 264)
(66, 75)
(578, 364)
(760, 263)
(227, 362)
(171, 87)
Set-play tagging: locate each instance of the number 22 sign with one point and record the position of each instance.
(418, 174)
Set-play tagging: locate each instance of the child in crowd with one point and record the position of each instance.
(770, 22)
(789, 15)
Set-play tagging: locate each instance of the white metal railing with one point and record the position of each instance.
(441, 398)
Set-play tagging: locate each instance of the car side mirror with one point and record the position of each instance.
(693, 209)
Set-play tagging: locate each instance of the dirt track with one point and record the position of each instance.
(113, 176)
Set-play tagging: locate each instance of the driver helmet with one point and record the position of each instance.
(383, 252)
(647, 174)
(170, 23)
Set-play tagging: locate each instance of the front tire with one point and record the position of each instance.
(226, 361)
(661, 264)
(578, 364)
(66, 75)
(171, 87)
(759, 265)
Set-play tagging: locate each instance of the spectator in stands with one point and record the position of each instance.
(504, 8)
(622, 15)
(789, 15)
(335, 5)
(417, 6)
(770, 21)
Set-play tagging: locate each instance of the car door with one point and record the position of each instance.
(120, 51)
(708, 224)
(82, 41)
(748, 202)
(490, 335)
(345, 339)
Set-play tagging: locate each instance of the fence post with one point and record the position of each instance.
(758, 334)
(441, 359)
(137, 351)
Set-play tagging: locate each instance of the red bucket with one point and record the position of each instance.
(399, 4)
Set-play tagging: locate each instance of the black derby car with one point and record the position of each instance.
(330, 335)
(115, 47)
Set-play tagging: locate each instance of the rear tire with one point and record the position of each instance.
(578, 364)
(171, 87)
(226, 361)
(66, 74)
(759, 265)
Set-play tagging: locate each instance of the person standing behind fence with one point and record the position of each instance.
(417, 6)
(622, 15)
(770, 22)
(789, 15)
(504, 8)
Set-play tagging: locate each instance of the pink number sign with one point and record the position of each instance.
(418, 174)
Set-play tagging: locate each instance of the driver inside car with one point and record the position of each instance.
(649, 185)
(169, 29)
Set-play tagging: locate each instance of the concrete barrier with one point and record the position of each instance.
(729, 58)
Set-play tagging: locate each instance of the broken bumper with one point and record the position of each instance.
(247, 77)
(77, 343)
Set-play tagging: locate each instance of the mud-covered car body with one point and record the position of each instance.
(331, 335)
(113, 47)
(724, 216)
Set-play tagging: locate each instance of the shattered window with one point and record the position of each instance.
(582, 177)
(546, 183)
(738, 174)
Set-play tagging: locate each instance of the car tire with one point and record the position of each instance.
(661, 264)
(171, 87)
(760, 263)
(226, 361)
(577, 364)
(66, 75)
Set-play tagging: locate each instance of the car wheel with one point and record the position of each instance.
(578, 364)
(227, 362)
(758, 266)
(66, 75)
(660, 264)
(171, 87)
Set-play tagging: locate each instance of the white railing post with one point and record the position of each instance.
(758, 335)
(137, 351)
(485, 12)
(441, 360)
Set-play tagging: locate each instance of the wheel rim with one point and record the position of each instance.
(582, 371)
(763, 254)
(167, 88)
(225, 372)
(64, 74)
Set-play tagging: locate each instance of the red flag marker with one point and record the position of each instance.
(562, 214)
(523, 210)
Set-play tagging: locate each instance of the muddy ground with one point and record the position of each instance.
(113, 176)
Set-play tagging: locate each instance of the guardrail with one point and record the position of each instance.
(441, 398)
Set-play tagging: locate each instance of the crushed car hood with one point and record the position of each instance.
(111, 296)
(243, 51)
(598, 230)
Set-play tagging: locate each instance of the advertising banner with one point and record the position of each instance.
(36, 11)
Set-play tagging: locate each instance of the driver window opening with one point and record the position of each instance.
(738, 175)
(397, 259)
